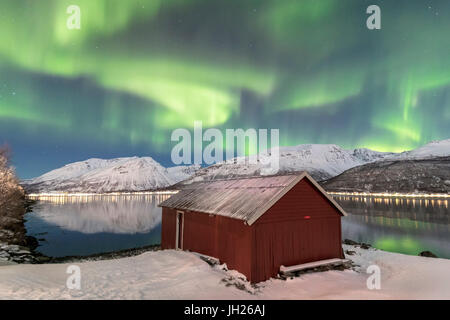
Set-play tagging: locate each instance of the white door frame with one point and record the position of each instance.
(177, 236)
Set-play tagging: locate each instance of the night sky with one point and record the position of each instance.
(139, 69)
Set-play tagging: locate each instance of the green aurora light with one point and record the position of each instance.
(138, 69)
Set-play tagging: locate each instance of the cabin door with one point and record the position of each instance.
(180, 227)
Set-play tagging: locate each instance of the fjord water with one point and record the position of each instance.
(404, 225)
(84, 225)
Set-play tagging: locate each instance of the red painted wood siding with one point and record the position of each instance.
(227, 239)
(200, 233)
(283, 236)
(302, 200)
(234, 244)
(168, 228)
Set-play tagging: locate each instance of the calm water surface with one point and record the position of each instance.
(84, 225)
(95, 224)
(405, 225)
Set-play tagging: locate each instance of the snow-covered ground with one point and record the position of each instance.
(180, 275)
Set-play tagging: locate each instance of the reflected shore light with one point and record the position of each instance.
(391, 195)
(63, 198)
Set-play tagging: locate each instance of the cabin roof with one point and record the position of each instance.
(242, 198)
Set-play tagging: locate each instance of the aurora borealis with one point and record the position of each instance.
(139, 69)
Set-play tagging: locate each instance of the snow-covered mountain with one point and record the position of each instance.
(322, 161)
(98, 176)
(426, 175)
(423, 170)
(76, 169)
(430, 150)
(180, 173)
(367, 155)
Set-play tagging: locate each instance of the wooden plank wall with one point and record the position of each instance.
(168, 228)
(224, 238)
(281, 236)
(302, 227)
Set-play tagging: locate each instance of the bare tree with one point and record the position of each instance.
(11, 194)
(5, 155)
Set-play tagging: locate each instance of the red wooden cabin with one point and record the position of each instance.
(255, 225)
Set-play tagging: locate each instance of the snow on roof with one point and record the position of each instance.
(240, 198)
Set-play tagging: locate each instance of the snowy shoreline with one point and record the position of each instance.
(170, 274)
(12, 254)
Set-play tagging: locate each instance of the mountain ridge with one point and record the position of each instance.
(109, 175)
(411, 176)
(322, 161)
